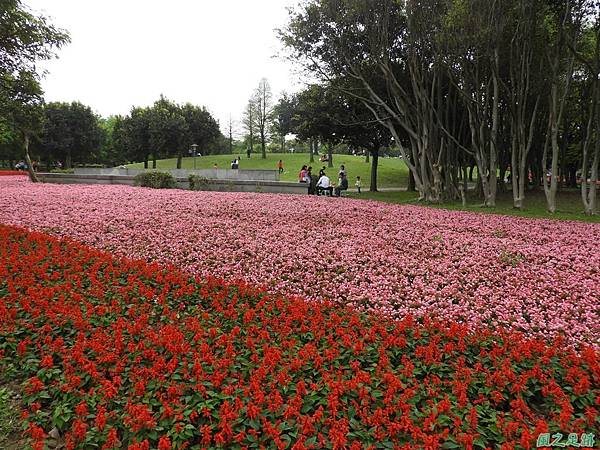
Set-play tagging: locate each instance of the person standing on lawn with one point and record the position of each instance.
(358, 184)
(302, 175)
(280, 166)
(308, 175)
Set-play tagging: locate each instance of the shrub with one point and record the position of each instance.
(197, 183)
(156, 180)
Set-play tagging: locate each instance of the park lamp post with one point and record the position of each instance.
(194, 150)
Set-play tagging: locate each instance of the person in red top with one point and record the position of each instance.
(302, 175)
(280, 166)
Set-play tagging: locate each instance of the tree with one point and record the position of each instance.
(382, 44)
(25, 39)
(319, 117)
(132, 136)
(588, 54)
(10, 145)
(474, 29)
(361, 130)
(21, 100)
(230, 135)
(202, 129)
(563, 22)
(262, 101)
(458, 82)
(282, 118)
(71, 132)
(110, 152)
(167, 130)
(249, 123)
(522, 89)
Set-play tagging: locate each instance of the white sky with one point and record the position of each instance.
(125, 53)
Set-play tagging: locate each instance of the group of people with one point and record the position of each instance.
(22, 165)
(235, 164)
(322, 185)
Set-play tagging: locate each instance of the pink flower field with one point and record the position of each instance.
(541, 277)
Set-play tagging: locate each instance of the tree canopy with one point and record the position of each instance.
(71, 132)
(166, 129)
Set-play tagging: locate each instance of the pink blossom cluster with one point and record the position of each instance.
(538, 276)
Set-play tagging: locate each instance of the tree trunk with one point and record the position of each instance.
(146, 162)
(312, 145)
(367, 156)
(551, 190)
(263, 145)
(503, 169)
(493, 180)
(32, 176)
(588, 190)
(179, 160)
(68, 160)
(374, 163)
(572, 178)
(330, 155)
(514, 172)
(465, 185)
(562, 168)
(557, 104)
(251, 143)
(411, 182)
(594, 181)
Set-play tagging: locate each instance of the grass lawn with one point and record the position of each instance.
(392, 171)
(569, 206)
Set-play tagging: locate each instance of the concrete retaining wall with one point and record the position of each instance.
(182, 183)
(214, 174)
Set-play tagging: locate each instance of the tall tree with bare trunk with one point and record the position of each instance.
(263, 108)
(563, 20)
(589, 56)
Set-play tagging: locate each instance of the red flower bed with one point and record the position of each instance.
(121, 353)
(12, 172)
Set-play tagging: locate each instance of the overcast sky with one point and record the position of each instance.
(127, 52)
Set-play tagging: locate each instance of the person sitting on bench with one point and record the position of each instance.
(342, 184)
(324, 186)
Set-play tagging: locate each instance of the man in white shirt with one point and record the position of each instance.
(324, 186)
